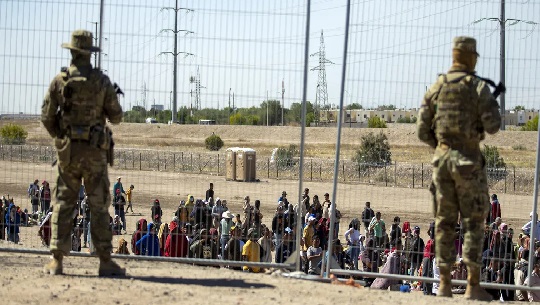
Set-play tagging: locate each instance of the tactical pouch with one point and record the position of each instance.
(80, 132)
(462, 166)
(433, 191)
(110, 154)
(63, 149)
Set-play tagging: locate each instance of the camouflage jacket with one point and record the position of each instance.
(486, 111)
(105, 99)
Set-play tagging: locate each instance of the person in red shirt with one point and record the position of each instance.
(427, 261)
(495, 209)
(177, 244)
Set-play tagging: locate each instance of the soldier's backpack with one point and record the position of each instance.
(456, 108)
(80, 107)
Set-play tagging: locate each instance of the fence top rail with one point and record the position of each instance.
(430, 279)
(184, 260)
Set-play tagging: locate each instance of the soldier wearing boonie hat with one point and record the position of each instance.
(456, 112)
(79, 102)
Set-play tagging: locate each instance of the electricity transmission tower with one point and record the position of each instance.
(321, 97)
(175, 54)
(196, 81)
(502, 27)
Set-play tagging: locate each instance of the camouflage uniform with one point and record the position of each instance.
(455, 113)
(74, 112)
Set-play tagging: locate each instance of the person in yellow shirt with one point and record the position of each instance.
(251, 252)
(128, 198)
(307, 238)
(190, 203)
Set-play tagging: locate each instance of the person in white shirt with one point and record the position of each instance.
(534, 279)
(527, 227)
(352, 236)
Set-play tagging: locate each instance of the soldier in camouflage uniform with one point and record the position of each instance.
(455, 113)
(74, 112)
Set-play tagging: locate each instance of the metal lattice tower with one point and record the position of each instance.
(196, 81)
(322, 93)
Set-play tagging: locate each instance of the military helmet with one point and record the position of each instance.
(464, 43)
(81, 41)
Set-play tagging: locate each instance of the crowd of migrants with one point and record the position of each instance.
(207, 229)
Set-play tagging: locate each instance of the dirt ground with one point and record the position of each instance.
(169, 282)
(149, 282)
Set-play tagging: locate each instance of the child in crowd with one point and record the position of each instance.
(129, 197)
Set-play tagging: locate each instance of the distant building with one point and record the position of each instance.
(19, 116)
(361, 116)
(157, 107)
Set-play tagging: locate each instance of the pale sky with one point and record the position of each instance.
(396, 48)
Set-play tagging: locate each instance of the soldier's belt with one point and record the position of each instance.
(79, 133)
(474, 145)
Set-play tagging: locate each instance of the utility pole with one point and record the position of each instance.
(175, 54)
(503, 65)
(322, 93)
(229, 117)
(100, 44)
(267, 117)
(502, 27)
(282, 99)
(96, 39)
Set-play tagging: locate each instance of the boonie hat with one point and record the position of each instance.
(81, 41)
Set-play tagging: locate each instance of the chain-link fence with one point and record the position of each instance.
(509, 179)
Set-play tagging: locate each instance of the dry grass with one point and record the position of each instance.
(319, 141)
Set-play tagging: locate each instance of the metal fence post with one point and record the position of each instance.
(413, 177)
(268, 167)
(191, 162)
(182, 161)
(422, 175)
(158, 161)
(133, 159)
(174, 163)
(218, 164)
(514, 177)
(343, 166)
(505, 174)
(395, 174)
(20, 149)
(311, 169)
(140, 160)
(385, 177)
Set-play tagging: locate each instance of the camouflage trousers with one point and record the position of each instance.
(461, 190)
(89, 164)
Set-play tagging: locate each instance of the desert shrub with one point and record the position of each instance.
(531, 125)
(495, 165)
(519, 147)
(376, 122)
(374, 151)
(406, 120)
(13, 134)
(286, 157)
(213, 142)
(244, 119)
